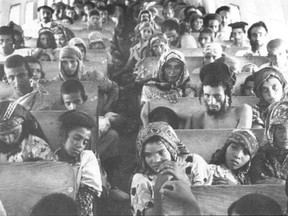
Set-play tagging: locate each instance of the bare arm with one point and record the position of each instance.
(245, 116)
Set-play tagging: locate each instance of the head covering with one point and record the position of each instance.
(77, 40)
(74, 118)
(143, 12)
(263, 75)
(153, 39)
(167, 56)
(143, 25)
(166, 133)
(45, 7)
(213, 48)
(11, 123)
(244, 137)
(95, 36)
(248, 140)
(237, 25)
(10, 110)
(71, 52)
(277, 114)
(93, 12)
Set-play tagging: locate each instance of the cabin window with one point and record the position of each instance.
(29, 12)
(14, 14)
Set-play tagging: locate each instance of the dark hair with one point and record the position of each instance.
(72, 86)
(5, 30)
(53, 44)
(249, 78)
(170, 24)
(218, 74)
(186, 11)
(31, 59)
(55, 204)
(255, 25)
(73, 119)
(193, 18)
(17, 61)
(255, 204)
(69, 19)
(184, 27)
(164, 114)
(222, 8)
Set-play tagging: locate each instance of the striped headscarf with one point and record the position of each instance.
(168, 137)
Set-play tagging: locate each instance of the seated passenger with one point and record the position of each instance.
(230, 165)
(36, 69)
(247, 88)
(18, 144)
(96, 40)
(18, 75)
(45, 44)
(94, 21)
(55, 204)
(171, 79)
(238, 34)
(170, 28)
(76, 130)
(80, 43)
(269, 166)
(196, 24)
(217, 85)
(278, 56)
(105, 15)
(166, 115)
(213, 21)
(7, 44)
(71, 67)
(60, 36)
(225, 13)
(257, 35)
(206, 36)
(269, 87)
(211, 52)
(159, 151)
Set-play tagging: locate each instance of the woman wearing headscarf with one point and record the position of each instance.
(270, 165)
(171, 79)
(269, 87)
(158, 150)
(21, 137)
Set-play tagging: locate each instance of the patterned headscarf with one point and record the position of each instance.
(248, 140)
(168, 137)
(167, 56)
(277, 114)
(153, 39)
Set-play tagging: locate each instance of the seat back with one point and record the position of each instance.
(215, 200)
(206, 141)
(22, 185)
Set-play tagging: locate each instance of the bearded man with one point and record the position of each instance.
(217, 84)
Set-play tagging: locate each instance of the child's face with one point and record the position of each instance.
(94, 21)
(236, 156)
(248, 88)
(156, 153)
(272, 90)
(214, 25)
(159, 47)
(60, 40)
(72, 101)
(77, 140)
(45, 41)
(238, 35)
(168, 13)
(197, 24)
(70, 66)
(172, 35)
(36, 70)
(280, 137)
(172, 70)
(146, 33)
(204, 39)
(278, 56)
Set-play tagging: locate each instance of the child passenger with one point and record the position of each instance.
(76, 130)
(159, 150)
